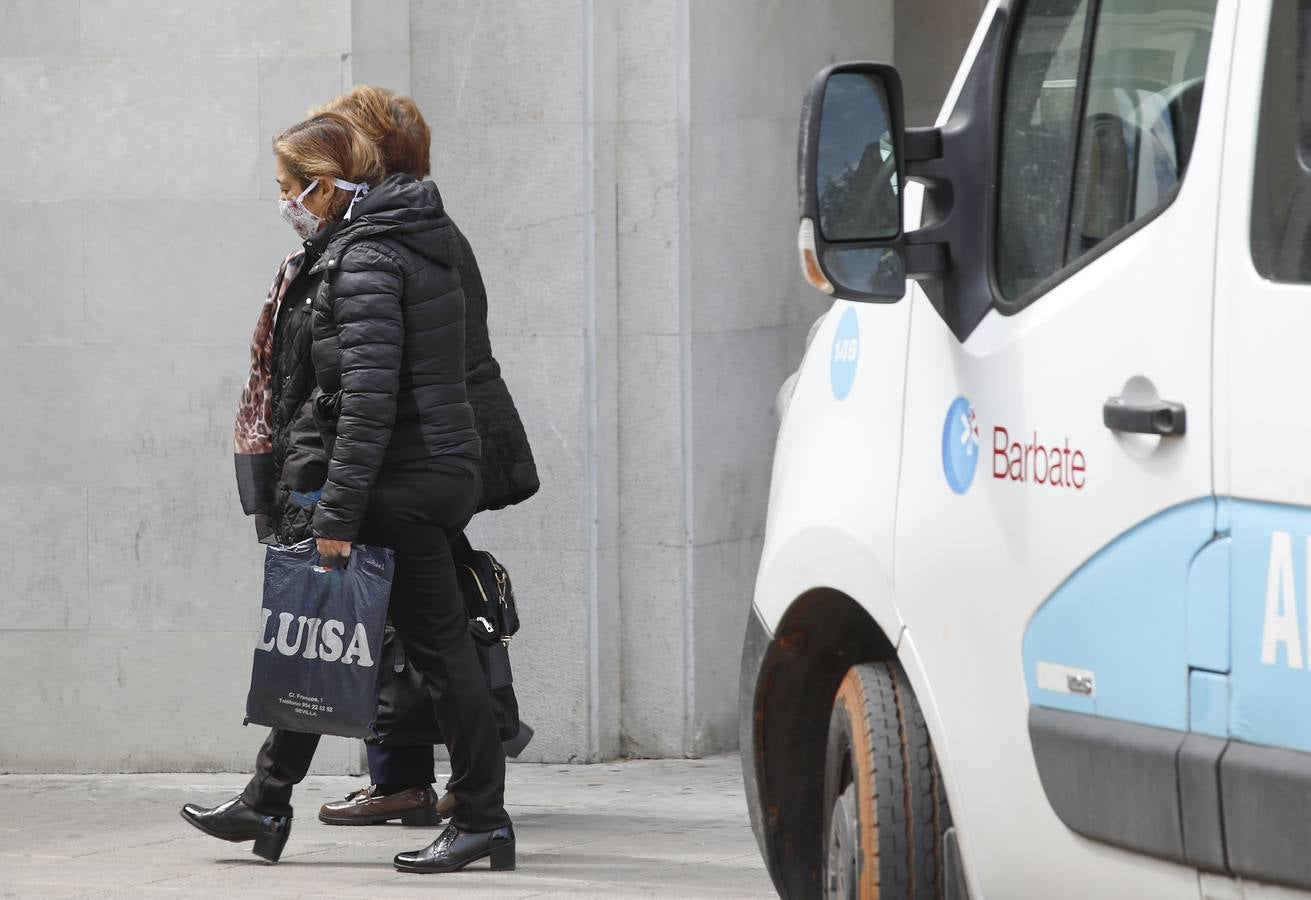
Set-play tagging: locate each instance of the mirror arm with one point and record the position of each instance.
(921, 145)
(926, 254)
(925, 259)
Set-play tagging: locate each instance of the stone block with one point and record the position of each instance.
(380, 45)
(205, 286)
(649, 59)
(234, 27)
(43, 104)
(288, 88)
(724, 575)
(164, 416)
(652, 662)
(137, 702)
(380, 26)
(44, 581)
(196, 141)
(380, 68)
(651, 440)
(101, 128)
(648, 228)
(41, 275)
(744, 269)
(756, 57)
(736, 377)
(39, 27)
(517, 61)
(127, 702)
(122, 415)
(55, 445)
(165, 559)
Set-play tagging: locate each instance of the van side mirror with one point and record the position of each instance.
(850, 164)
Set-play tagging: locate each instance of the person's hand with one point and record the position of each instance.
(329, 549)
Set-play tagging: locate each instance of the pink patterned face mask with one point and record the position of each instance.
(301, 220)
(304, 222)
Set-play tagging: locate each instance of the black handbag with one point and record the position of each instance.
(488, 595)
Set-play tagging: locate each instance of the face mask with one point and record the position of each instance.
(304, 222)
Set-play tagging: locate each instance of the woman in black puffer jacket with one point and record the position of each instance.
(388, 351)
(401, 774)
(509, 473)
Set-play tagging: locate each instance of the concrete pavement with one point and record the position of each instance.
(650, 828)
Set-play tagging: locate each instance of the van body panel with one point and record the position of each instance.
(837, 532)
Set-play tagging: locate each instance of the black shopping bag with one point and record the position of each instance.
(319, 652)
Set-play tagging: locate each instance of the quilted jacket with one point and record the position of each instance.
(509, 473)
(388, 347)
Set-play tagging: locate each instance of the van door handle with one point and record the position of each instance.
(1160, 417)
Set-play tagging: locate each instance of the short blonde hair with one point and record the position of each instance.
(328, 145)
(391, 121)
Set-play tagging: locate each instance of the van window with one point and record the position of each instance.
(1281, 195)
(1037, 142)
(1135, 93)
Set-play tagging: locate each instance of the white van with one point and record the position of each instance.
(1031, 619)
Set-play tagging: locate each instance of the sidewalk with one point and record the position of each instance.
(656, 828)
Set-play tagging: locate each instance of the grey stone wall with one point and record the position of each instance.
(748, 309)
(624, 170)
(931, 38)
(521, 99)
(141, 234)
(626, 173)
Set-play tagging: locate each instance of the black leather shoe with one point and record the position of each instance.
(456, 849)
(235, 821)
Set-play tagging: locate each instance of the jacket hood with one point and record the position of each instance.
(401, 209)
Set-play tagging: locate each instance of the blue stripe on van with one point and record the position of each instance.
(1169, 608)
(1123, 616)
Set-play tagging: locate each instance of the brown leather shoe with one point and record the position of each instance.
(414, 806)
(446, 805)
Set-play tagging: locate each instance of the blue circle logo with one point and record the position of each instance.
(846, 354)
(960, 445)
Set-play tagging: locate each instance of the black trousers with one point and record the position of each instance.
(408, 764)
(416, 511)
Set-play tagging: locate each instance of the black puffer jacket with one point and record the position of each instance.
(388, 350)
(509, 473)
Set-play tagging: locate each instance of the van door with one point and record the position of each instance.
(1057, 465)
(1263, 436)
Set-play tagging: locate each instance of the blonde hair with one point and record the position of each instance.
(392, 122)
(329, 145)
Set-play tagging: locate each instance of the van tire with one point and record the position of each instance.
(929, 815)
(885, 811)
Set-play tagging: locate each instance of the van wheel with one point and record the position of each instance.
(885, 809)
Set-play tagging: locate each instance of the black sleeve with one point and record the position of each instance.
(365, 303)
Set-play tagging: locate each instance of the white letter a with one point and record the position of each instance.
(359, 646)
(1281, 605)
